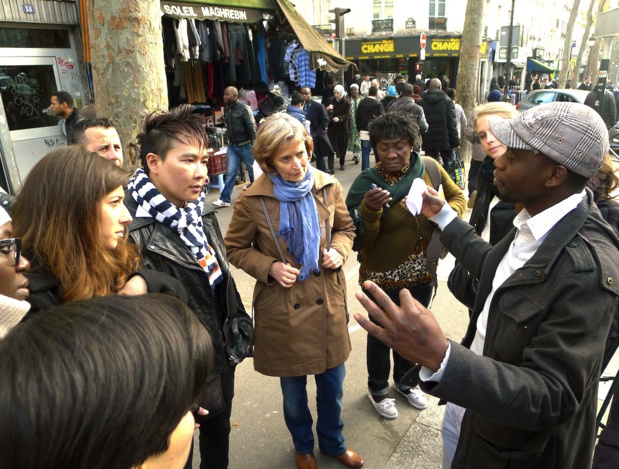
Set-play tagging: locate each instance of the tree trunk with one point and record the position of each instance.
(583, 43)
(468, 68)
(593, 64)
(567, 44)
(127, 66)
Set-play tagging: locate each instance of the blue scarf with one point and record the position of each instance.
(298, 220)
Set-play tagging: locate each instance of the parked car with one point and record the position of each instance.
(535, 97)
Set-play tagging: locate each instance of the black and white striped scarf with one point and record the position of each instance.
(186, 222)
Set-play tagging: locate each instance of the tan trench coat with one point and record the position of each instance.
(300, 330)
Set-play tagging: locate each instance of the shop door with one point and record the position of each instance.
(26, 84)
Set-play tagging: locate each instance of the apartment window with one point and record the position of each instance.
(383, 9)
(437, 15)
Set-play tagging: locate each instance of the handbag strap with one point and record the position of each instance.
(327, 223)
(266, 214)
(434, 246)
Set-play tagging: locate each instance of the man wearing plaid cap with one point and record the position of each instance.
(525, 377)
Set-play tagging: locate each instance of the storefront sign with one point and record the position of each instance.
(211, 12)
(380, 47)
(401, 47)
(28, 9)
(444, 47)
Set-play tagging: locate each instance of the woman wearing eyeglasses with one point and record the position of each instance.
(72, 223)
(13, 283)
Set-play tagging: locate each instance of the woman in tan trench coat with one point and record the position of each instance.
(300, 295)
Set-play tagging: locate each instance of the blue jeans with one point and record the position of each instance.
(365, 154)
(235, 155)
(329, 392)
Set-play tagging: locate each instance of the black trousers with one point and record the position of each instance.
(378, 354)
(215, 431)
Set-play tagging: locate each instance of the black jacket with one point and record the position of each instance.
(316, 114)
(440, 114)
(608, 108)
(531, 400)
(503, 213)
(69, 125)
(45, 291)
(163, 250)
(368, 109)
(240, 124)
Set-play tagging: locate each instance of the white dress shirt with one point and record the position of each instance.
(531, 233)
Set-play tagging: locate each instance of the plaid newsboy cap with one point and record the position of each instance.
(571, 134)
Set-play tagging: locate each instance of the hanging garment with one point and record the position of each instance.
(194, 40)
(261, 56)
(307, 77)
(182, 40)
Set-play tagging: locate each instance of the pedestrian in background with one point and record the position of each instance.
(390, 96)
(368, 109)
(354, 144)
(241, 133)
(62, 106)
(606, 107)
(440, 113)
(275, 236)
(393, 244)
(406, 103)
(339, 119)
(317, 115)
(364, 88)
(460, 116)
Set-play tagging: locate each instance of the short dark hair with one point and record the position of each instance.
(397, 79)
(451, 92)
(373, 91)
(399, 87)
(278, 101)
(108, 379)
(296, 98)
(407, 90)
(80, 128)
(160, 129)
(394, 124)
(64, 97)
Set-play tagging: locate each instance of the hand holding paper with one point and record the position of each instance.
(418, 193)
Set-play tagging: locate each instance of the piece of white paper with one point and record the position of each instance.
(414, 200)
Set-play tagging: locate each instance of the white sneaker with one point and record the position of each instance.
(386, 407)
(415, 397)
(221, 203)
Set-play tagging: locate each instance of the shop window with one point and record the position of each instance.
(437, 18)
(34, 38)
(26, 94)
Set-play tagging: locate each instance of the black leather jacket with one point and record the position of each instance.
(163, 250)
(240, 124)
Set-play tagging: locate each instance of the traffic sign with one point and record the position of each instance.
(422, 41)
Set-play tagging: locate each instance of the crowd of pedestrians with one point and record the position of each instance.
(119, 316)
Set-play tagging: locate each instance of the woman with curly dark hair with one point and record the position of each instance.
(392, 242)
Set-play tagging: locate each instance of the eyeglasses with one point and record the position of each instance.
(11, 245)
